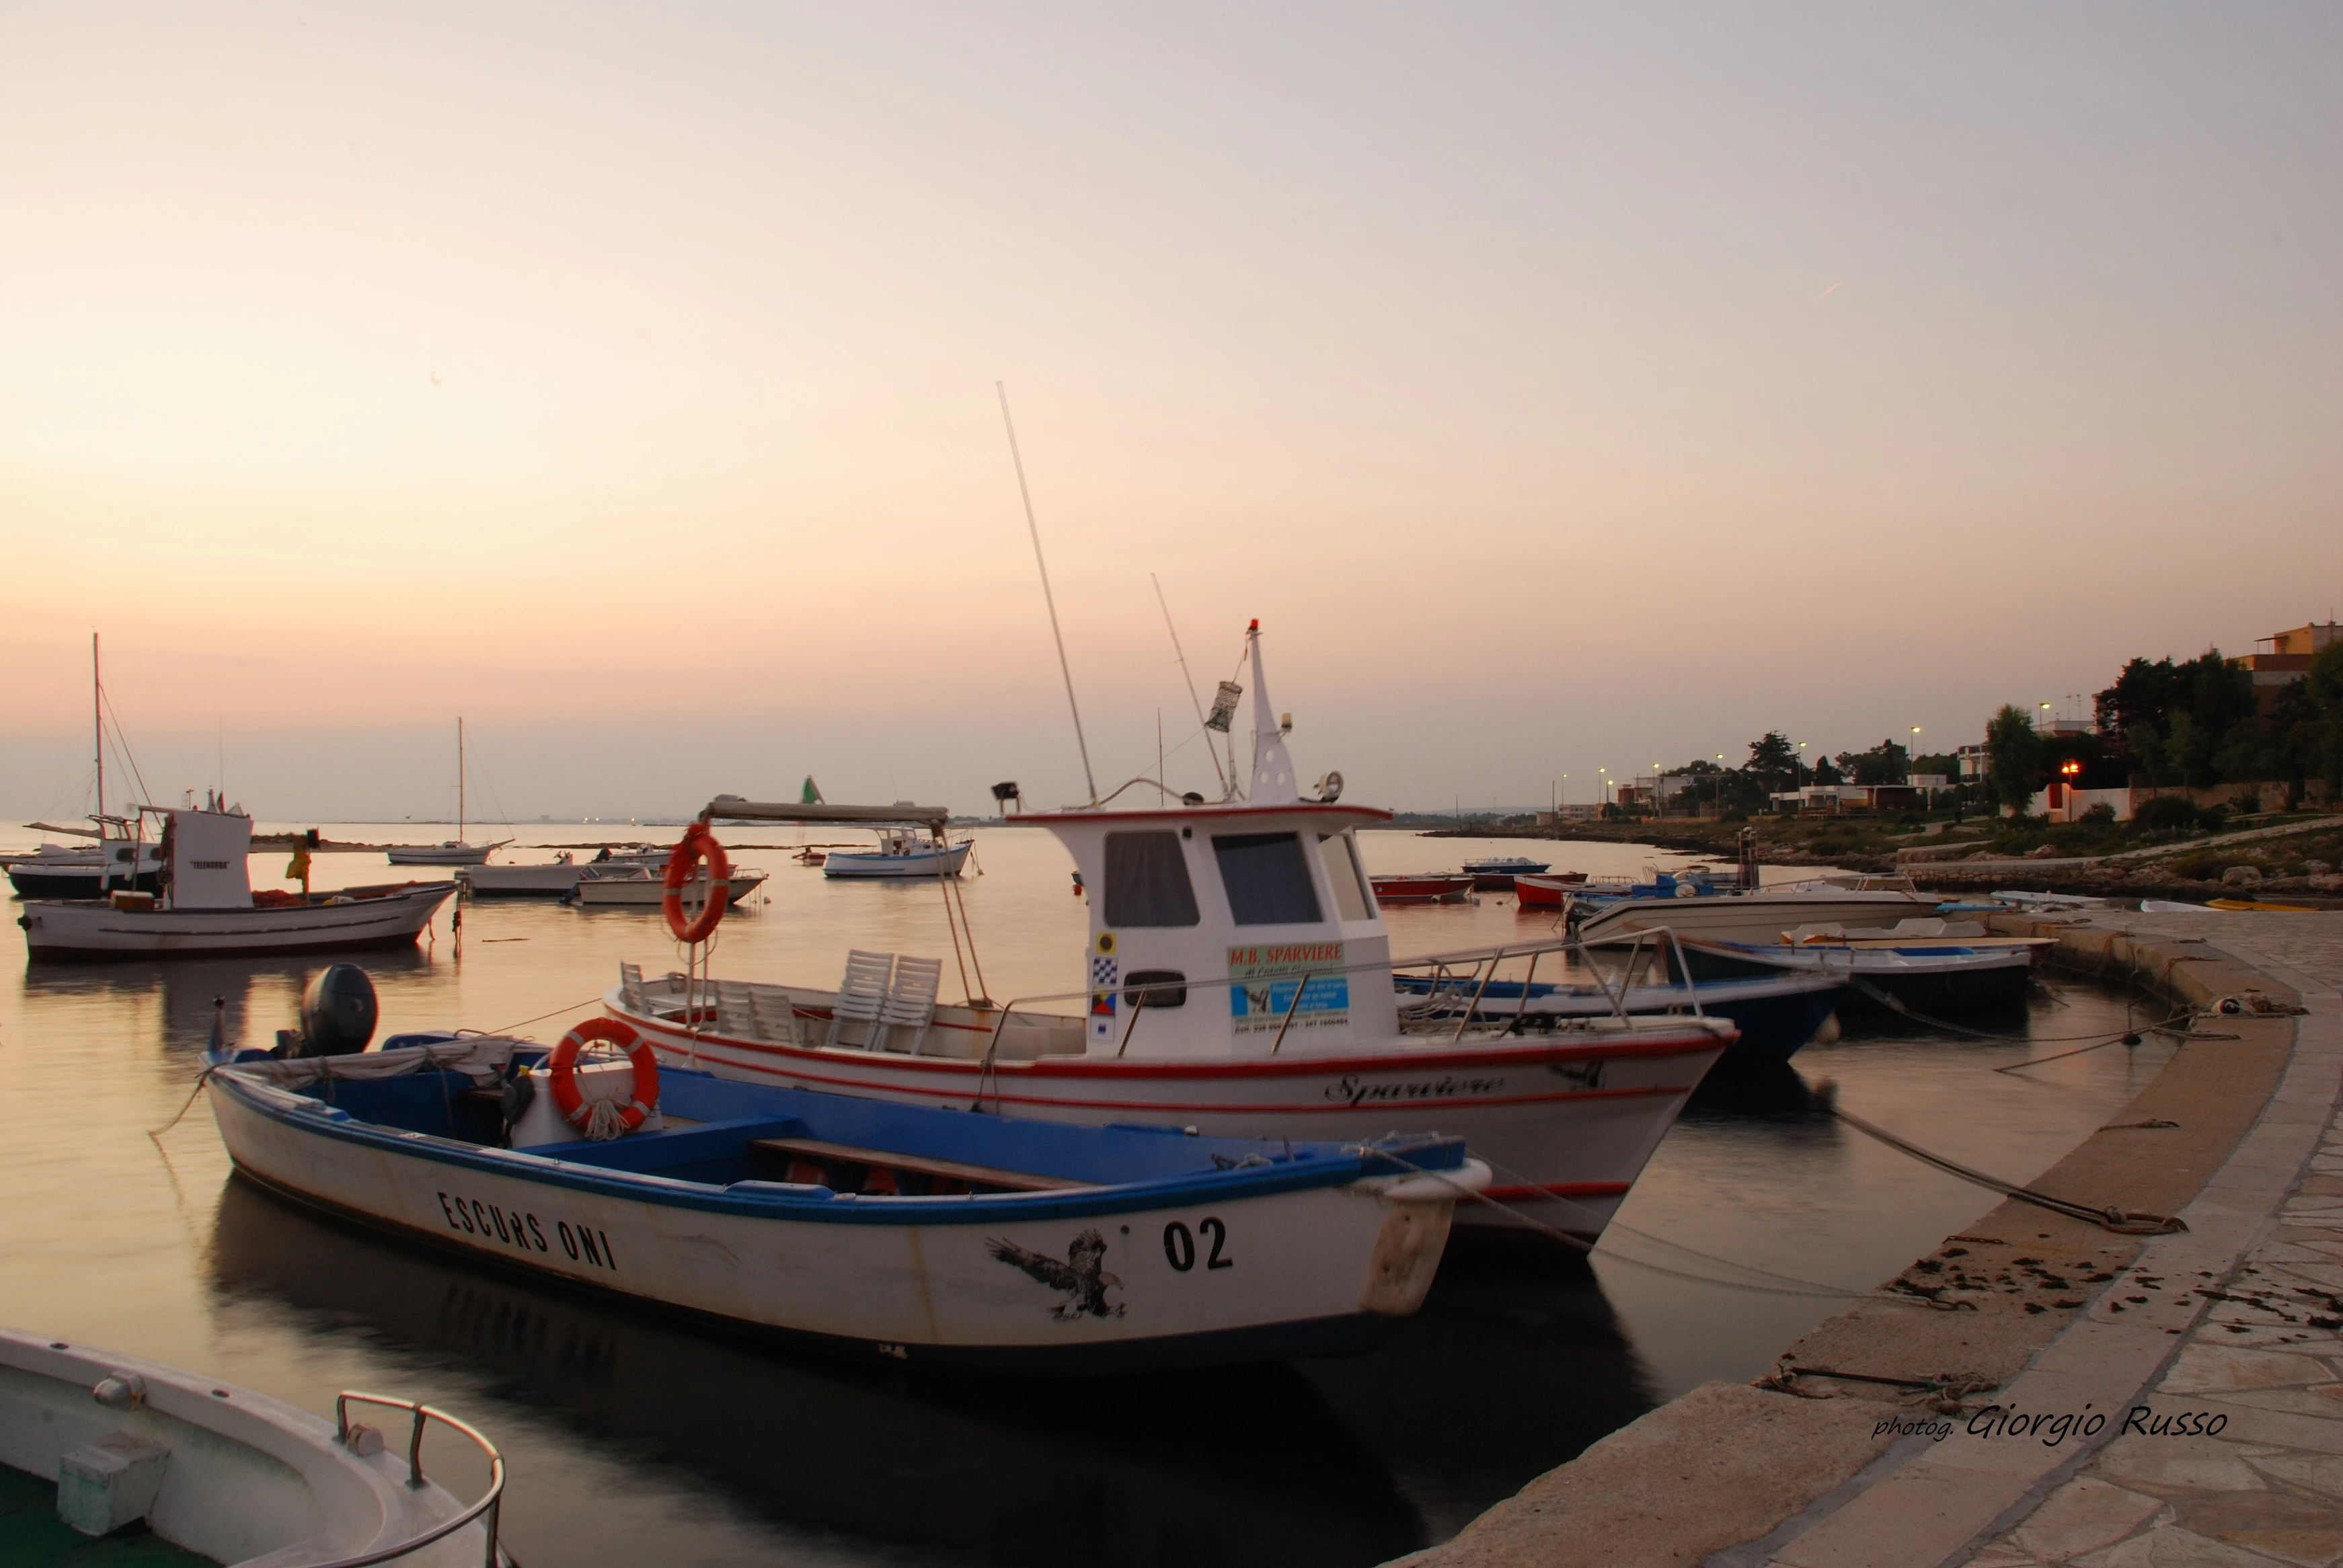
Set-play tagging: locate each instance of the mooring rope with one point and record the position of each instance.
(2112, 1217)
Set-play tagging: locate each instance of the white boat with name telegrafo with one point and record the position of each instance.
(1237, 978)
(207, 906)
(922, 1235)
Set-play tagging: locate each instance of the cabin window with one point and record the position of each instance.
(1268, 880)
(1147, 881)
(1342, 870)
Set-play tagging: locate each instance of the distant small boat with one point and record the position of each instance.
(1547, 892)
(1440, 887)
(116, 860)
(900, 855)
(644, 887)
(1495, 873)
(455, 852)
(809, 856)
(220, 1473)
(1922, 977)
(554, 879)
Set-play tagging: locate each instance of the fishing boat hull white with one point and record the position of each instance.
(848, 865)
(1567, 1120)
(1775, 1014)
(1260, 1254)
(221, 1472)
(644, 891)
(354, 919)
(1925, 979)
(552, 880)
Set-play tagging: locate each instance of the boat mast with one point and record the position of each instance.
(98, 731)
(1047, 596)
(460, 777)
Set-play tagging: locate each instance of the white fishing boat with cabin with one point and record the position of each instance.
(207, 906)
(642, 887)
(1237, 978)
(901, 855)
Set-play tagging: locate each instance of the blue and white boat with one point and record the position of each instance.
(1776, 1014)
(1919, 975)
(936, 1236)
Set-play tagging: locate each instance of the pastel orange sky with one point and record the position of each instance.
(1562, 387)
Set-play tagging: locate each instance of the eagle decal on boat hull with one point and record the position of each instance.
(1082, 1276)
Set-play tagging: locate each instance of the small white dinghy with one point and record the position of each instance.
(225, 1474)
(938, 1237)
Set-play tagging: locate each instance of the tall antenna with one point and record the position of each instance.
(1047, 596)
(1190, 679)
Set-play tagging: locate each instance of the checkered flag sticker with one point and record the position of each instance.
(1103, 972)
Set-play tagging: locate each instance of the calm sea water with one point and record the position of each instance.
(632, 1439)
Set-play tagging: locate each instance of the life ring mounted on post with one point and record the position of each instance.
(600, 1118)
(695, 843)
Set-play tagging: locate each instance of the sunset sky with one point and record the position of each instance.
(1562, 387)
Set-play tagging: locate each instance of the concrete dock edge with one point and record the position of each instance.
(1742, 1475)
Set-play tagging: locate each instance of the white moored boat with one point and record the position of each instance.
(935, 1237)
(644, 887)
(1852, 901)
(222, 1473)
(207, 906)
(1238, 980)
(455, 852)
(899, 856)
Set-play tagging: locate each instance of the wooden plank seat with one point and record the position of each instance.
(815, 1161)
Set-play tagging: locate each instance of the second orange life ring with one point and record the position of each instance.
(697, 842)
(604, 1118)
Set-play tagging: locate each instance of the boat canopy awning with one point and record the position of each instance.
(732, 808)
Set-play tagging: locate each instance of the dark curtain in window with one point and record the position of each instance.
(1267, 878)
(1147, 881)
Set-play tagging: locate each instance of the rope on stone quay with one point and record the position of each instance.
(1794, 1287)
(2111, 1217)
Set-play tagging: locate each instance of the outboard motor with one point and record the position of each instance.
(337, 1014)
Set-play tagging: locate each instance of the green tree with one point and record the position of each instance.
(1774, 763)
(2319, 738)
(1886, 763)
(2012, 753)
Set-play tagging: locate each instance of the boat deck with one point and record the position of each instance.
(33, 1536)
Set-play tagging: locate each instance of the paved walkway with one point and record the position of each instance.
(2261, 1372)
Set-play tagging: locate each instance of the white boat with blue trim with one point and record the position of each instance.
(930, 1236)
(901, 856)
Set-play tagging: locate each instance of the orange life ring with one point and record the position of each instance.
(563, 1068)
(697, 842)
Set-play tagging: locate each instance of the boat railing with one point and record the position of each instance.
(490, 1504)
(1485, 962)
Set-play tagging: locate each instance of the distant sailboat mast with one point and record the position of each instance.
(459, 778)
(97, 728)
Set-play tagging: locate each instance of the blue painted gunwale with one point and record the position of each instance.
(1311, 1165)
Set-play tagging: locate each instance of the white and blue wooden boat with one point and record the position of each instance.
(900, 855)
(218, 1474)
(1776, 1014)
(1920, 976)
(930, 1236)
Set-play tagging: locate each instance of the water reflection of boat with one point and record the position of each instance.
(975, 1468)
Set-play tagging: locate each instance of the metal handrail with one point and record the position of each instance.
(491, 1502)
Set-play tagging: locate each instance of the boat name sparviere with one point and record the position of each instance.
(486, 1220)
(1351, 1090)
